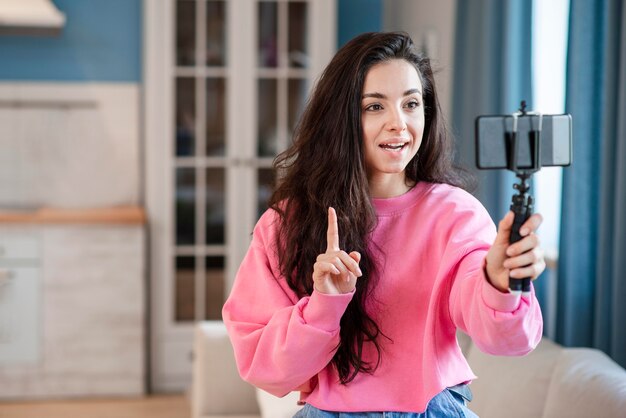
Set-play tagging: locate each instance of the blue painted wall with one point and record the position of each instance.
(101, 41)
(357, 16)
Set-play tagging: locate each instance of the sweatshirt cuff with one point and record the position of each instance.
(499, 301)
(324, 311)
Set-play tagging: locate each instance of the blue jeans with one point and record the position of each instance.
(451, 402)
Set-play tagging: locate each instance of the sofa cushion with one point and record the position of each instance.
(274, 407)
(586, 383)
(512, 387)
(217, 388)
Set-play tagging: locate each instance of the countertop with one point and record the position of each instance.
(130, 215)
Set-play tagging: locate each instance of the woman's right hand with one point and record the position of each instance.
(335, 271)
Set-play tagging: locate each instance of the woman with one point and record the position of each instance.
(372, 255)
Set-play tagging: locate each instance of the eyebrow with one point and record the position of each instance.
(382, 96)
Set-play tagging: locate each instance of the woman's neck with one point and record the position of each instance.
(384, 186)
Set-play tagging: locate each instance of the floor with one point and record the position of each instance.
(162, 406)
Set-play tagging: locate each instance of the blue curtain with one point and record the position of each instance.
(591, 299)
(492, 75)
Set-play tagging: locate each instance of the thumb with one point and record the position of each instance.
(504, 229)
(356, 256)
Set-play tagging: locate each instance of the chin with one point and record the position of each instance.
(394, 169)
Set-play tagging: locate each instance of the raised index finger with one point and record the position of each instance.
(332, 236)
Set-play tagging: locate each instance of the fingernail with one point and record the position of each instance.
(360, 272)
(524, 231)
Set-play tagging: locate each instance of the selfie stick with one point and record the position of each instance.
(522, 202)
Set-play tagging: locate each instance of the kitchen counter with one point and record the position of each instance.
(129, 215)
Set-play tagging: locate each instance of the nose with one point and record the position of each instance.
(396, 122)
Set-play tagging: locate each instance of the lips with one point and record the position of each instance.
(393, 146)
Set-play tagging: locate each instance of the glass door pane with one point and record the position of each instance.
(297, 93)
(265, 185)
(268, 117)
(298, 50)
(216, 33)
(268, 34)
(214, 287)
(215, 117)
(184, 289)
(185, 210)
(215, 206)
(185, 32)
(185, 116)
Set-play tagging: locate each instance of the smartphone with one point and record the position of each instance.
(555, 143)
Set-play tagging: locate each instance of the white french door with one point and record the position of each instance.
(225, 81)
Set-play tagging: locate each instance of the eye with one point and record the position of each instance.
(413, 104)
(373, 107)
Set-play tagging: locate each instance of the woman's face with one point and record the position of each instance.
(392, 116)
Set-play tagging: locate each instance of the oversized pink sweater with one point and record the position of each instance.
(435, 238)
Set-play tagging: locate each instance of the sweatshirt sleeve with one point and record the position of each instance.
(498, 323)
(280, 342)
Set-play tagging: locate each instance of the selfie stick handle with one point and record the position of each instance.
(522, 203)
(522, 207)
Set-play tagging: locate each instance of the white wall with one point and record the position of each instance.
(431, 25)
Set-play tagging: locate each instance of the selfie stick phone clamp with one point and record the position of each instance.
(522, 202)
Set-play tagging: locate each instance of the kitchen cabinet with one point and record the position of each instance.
(78, 306)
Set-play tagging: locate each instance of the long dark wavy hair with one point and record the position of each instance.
(325, 167)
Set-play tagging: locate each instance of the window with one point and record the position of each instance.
(550, 29)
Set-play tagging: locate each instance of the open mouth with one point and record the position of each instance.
(394, 146)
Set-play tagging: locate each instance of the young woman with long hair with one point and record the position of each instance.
(372, 254)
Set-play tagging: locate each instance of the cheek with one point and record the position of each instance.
(369, 131)
(418, 126)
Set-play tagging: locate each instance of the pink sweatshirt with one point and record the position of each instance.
(435, 238)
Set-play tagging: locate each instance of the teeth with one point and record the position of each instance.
(393, 146)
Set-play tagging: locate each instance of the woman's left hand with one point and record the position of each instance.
(519, 260)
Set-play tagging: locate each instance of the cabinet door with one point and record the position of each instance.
(225, 82)
(20, 316)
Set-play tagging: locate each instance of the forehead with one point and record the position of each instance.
(392, 76)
